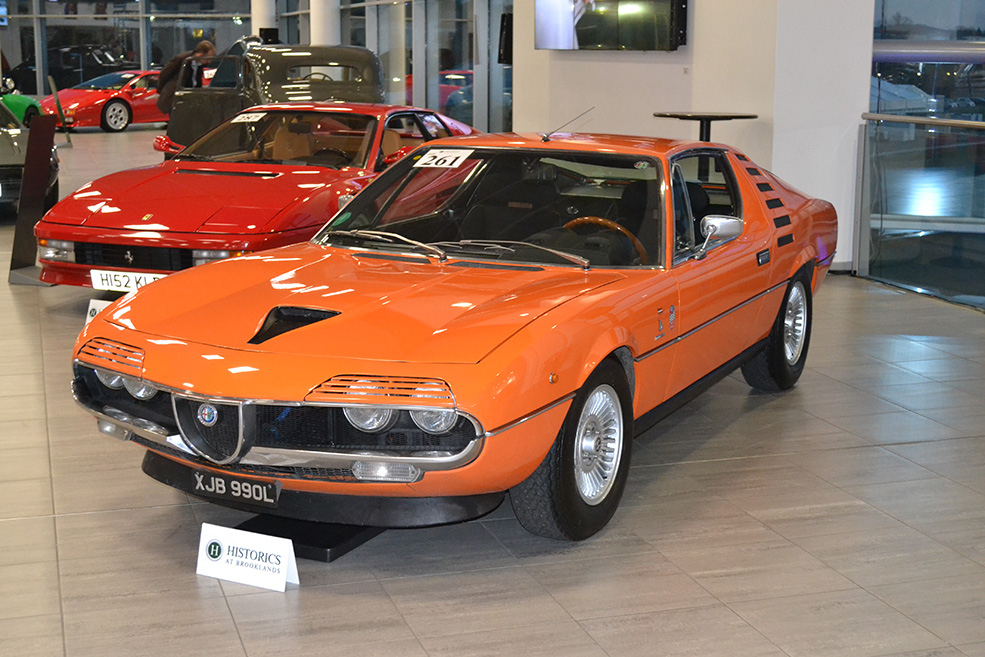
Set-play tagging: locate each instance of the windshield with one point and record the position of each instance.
(548, 206)
(109, 81)
(325, 139)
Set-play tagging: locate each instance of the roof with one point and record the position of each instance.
(577, 142)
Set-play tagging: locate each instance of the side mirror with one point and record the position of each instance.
(397, 155)
(164, 145)
(719, 227)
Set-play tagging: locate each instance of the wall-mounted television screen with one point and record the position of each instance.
(610, 24)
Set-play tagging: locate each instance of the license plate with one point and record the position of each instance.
(224, 487)
(121, 281)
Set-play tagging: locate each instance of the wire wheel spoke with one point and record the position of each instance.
(795, 323)
(598, 444)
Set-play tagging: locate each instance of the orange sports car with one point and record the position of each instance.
(494, 314)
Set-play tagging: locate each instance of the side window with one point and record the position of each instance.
(399, 132)
(703, 185)
(434, 126)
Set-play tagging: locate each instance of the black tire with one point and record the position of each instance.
(551, 502)
(778, 366)
(29, 113)
(116, 116)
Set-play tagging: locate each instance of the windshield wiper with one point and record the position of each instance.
(390, 238)
(508, 246)
(193, 157)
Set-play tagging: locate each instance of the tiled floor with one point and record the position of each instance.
(845, 517)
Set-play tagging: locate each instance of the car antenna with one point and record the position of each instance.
(547, 135)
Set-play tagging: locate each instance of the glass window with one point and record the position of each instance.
(108, 81)
(702, 185)
(332, 140)
(541, 206)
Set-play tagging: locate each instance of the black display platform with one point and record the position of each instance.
(34, 186)
(315, 541)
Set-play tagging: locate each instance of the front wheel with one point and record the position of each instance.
(576, 489)
(116, 116)
(779, 365)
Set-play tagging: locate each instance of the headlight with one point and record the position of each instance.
(56, 250)
(139, 389)
(434, 421)
(110, 379)
(370, 419)
(203, 256)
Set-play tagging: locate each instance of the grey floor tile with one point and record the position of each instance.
(25, 498)
(562, 638)
(169, 626)
(613, 541)
(755, 571)
(463, 603)
(29, 589)
(896, 427)
(37, 636)
(923, 501)
(683, 524)
(874, 557)
(849, 623)
(953, 608)
(634, 584)
(308, 621)
(692, 632)
(855, 467)
(27, 540)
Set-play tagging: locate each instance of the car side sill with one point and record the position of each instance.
(646, 421)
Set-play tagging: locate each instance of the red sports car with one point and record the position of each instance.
(112, 101)
(269, 176)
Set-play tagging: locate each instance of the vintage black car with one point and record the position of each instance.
(69, 66)
(271, 74)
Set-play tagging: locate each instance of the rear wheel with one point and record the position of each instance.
(115, 117)
(780, 364)
(576, 489)
(29, 115)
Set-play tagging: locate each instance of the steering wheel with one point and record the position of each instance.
(328, 150)
(317, 75)
(611, 225)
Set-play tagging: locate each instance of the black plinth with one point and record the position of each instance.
(704, 119)
(315, 541)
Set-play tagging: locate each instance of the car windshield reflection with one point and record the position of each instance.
(546, 207)
(324, 139)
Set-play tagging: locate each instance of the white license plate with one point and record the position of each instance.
(121, 281)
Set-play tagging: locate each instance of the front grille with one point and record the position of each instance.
(113, 355)
(132, 257)
(11, 175)
(325, 428)
(221, 441)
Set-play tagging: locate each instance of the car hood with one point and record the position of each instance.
(69, 97)
(191, 197)
(403, 309)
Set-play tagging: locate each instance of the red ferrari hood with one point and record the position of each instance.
(191, 197)
(388, 308)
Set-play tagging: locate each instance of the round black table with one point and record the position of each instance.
(704, 119)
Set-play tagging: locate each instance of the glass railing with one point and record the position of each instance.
(922, 206)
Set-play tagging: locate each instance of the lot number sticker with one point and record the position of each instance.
(443, 158)
(249, 117)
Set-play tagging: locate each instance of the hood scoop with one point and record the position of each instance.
(243, 174)
(287, 318)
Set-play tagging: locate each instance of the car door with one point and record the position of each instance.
(721, 282)
(142, 94)
(402, 133)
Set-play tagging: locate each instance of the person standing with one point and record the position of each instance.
(167, 82)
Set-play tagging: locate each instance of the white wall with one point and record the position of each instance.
(822, 88)
(803, 66)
